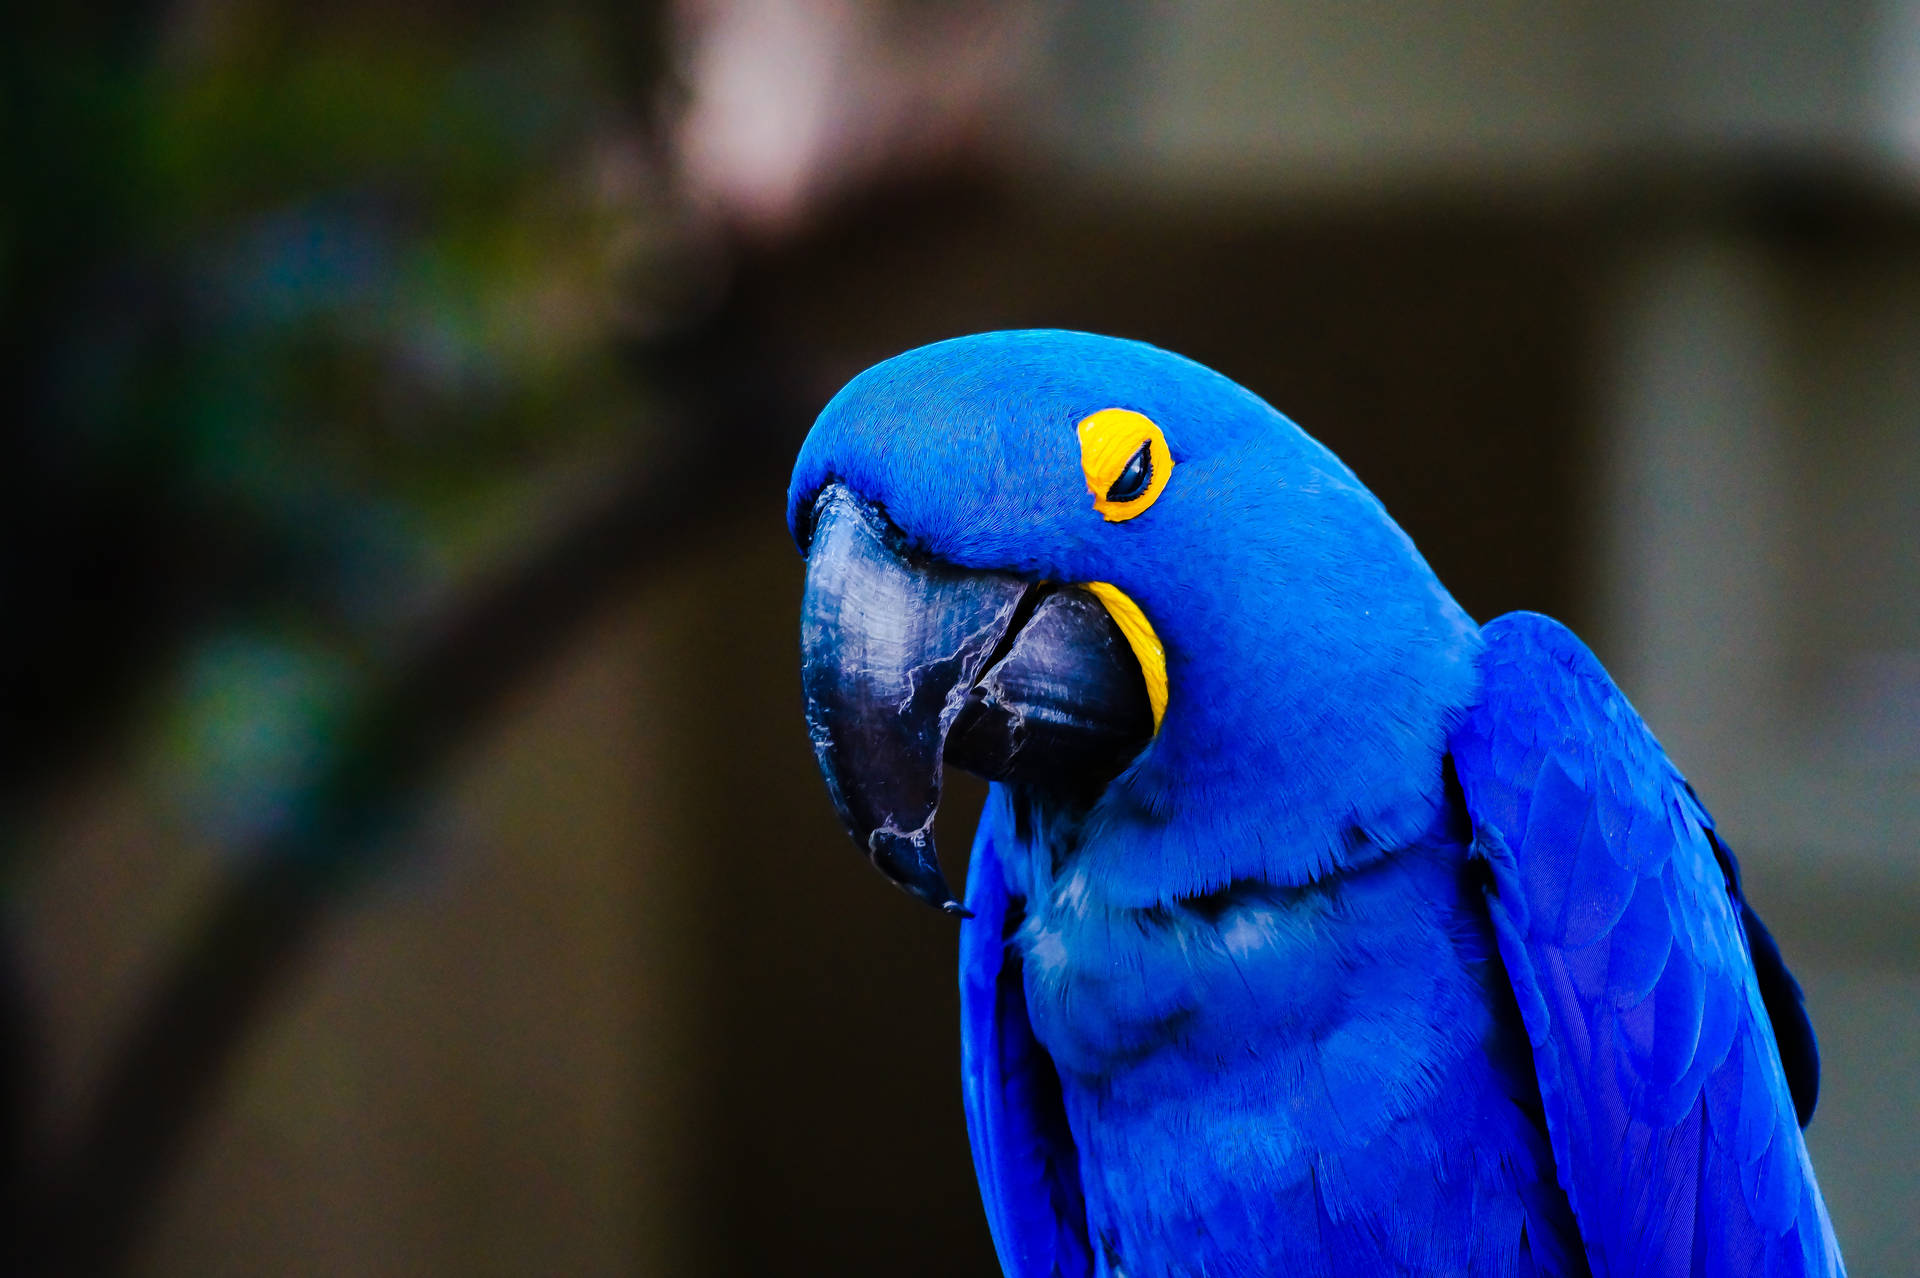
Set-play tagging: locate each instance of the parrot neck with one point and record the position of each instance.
(1324, 753)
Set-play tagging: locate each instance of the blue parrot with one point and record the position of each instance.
(1310, 928)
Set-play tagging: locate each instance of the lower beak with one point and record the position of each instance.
(907, 661)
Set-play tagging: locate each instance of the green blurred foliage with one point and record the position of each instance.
(341, 300)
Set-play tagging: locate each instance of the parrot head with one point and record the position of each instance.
(1104, 572)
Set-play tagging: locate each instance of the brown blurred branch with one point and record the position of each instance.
(176, 1057)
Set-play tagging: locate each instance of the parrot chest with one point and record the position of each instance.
(1313, 1077)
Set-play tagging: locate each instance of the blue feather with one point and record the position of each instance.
(1401, 948)
(1024, 1156)
(1673, 1122)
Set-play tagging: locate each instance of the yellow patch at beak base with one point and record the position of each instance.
(1146, 646)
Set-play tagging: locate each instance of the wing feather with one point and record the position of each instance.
(1655, 1001)
(1023, 1152)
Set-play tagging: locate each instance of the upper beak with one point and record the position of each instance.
(907, 661)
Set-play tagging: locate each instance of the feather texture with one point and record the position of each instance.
(1325, 1079)
(1633, 960)
(1022, 1152)
(1401, 948)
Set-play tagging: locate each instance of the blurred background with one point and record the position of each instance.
(413, 861)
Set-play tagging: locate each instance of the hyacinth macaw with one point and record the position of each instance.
(1310, 928)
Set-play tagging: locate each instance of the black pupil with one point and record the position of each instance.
(1134, 479)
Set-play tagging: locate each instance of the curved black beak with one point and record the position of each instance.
(906, 661)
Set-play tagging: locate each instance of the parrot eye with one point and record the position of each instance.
(1126, 460)
(1134, 479)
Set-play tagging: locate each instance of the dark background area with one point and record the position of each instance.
(413, 858)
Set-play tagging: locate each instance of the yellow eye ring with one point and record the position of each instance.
(1126, 461)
